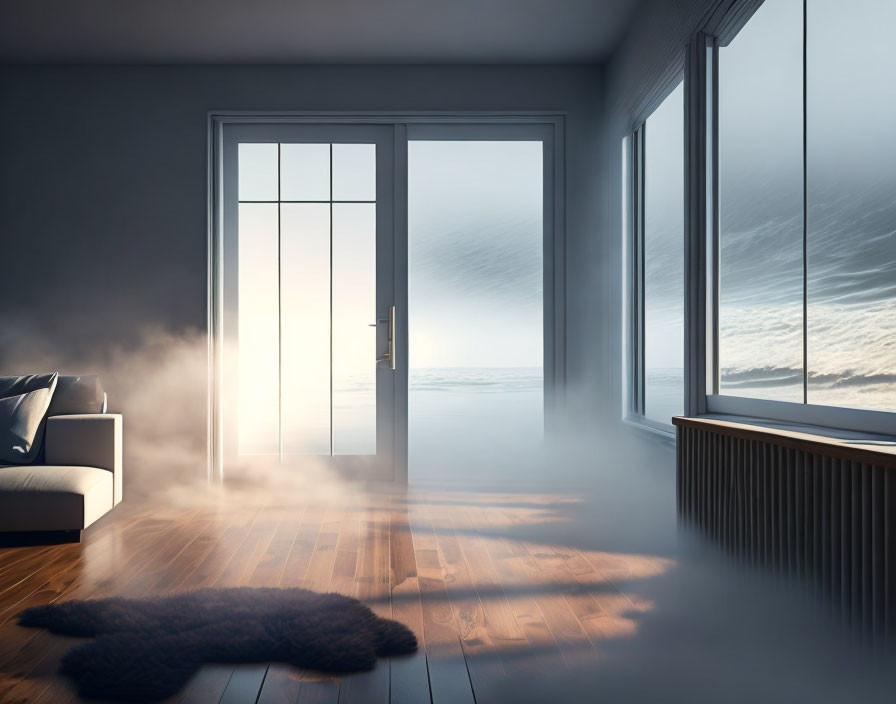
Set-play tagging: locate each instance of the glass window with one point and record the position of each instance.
(475, 265)
(305, 172)
(663, 251)
(258, 172)
(354, 172)
(807, 305)
(761, 206)
(851, 200)
(259, 359)
(306, 344)
(353, 328)
(304, 326)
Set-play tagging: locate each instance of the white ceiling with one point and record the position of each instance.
(311, 31)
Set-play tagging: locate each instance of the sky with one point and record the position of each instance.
(475, 242)
(851, 205)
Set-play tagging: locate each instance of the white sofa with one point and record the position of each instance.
(75, 480)
(79, 481)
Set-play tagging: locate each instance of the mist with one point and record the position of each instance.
(690, 623)
(680, 621)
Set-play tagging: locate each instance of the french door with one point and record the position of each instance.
(310, 365)
(309, 278)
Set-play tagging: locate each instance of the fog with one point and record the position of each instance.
(698, 626)
(684, 622)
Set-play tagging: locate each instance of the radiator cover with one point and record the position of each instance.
(808, 511)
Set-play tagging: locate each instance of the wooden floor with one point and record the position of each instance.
(489, 607)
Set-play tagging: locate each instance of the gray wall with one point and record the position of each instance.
(103, 192)
(645, 68)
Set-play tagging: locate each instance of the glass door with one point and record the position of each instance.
(308, 360)
(476, 299)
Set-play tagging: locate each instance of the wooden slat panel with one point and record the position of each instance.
(819, 520)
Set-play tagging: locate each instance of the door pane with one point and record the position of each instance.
(257, 172)
(475, 258)
(304, 171)
(307, 305)
(664, 260)
(761, 206)
(851, 240)
(257, 351)
(305, 327)
(354, 340)
(354, 172)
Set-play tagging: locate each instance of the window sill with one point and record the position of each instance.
(656, 431)
(850, 445)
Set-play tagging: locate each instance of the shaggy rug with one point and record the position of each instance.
(147, 649)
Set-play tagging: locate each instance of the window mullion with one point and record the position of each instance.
(805, 228)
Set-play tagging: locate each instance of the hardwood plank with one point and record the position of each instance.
(323, 557)
(97, 555)
(318, 693)
(281, 685)
(244, 684)
(448, 677)
(554, 606)
(509, 558)
(302, 550)
(209, 570)
(345, 564)
(25, 564)
(206, 685)
(500, 621)
(272, 563)
(371, 585)
(250, 553)
(409, 677)
(485, 606)
(40, 656)
(480, 651)
(14, 637)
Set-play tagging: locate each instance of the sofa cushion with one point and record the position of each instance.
(22, 418)
(77, 394)
(47, 497)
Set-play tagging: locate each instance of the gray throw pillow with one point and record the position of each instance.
(15, 385)
(77, 394)
(21, 422)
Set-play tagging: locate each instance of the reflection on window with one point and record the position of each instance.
(851, 170)
(761, 206)
(664, 260)
(849, 236)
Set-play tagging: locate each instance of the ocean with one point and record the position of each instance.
(458, 415)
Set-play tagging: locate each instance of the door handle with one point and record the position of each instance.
(390, 353)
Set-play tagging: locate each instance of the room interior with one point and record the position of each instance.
(459, 352)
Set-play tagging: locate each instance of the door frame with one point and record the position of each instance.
(548, 127)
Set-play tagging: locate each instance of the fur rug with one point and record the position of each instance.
(147, 649)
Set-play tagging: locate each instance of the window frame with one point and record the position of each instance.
(702, 283)
(634, 255)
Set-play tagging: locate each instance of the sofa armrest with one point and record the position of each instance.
(87, 440)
